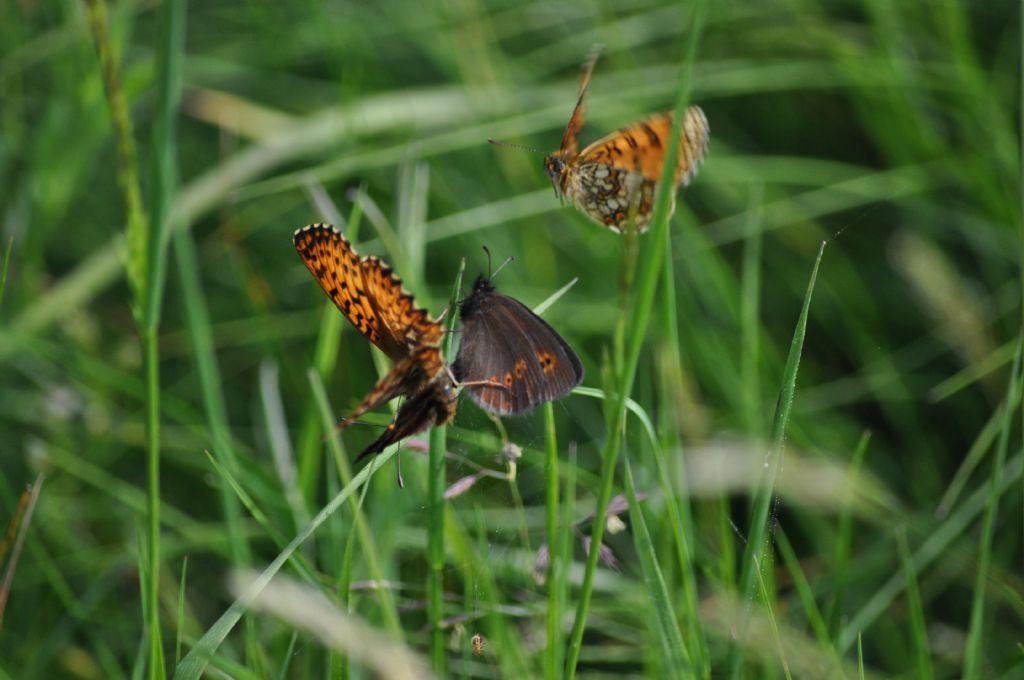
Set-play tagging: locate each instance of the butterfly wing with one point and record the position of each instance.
(406, 322)
(504, 342)
(407, 377)
(568, 147)
(366, 291)
(434, 405)
(640, 147)
(618, 173)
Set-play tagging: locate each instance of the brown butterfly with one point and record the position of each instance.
(617, 174)
(370, 296)
(510, 360)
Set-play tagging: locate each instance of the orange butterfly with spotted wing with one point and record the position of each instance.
(613, 180)
(371, 296)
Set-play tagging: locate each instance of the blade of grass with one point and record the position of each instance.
(3, 272)
(976, 633)
(931, 549)
(803, 589)
(328, 421)
(675, 662)
(19, 543)
(918, 630)
(758, 547)
(181, 612)
(279, 441)
(435, 513)
(553, 645)
(844, 533)
(199, 657)
(340, 667)
(300, 564)
(164, 173)
(565, 538)
(211, 388)
(640, 315)
(774, 624)
(677, 505)
(147, 252)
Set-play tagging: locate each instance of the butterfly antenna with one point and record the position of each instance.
(510, 145)
(491, 274)
(502, 265)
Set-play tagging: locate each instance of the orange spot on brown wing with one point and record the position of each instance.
(547, 360)
(508, 380)
(520, 368)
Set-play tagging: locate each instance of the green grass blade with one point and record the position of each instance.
(3, 270)
(199, 657)
(931, 549)
(164, 177)
(389, 610)
(650, 272)
(554, 648)
(436, 512)
(675, 662)
(803, 589)
(844, 533)
(918, 630)
(211, 387)
(677, 505)
(757, 550)
(974, 652)
(181, 611)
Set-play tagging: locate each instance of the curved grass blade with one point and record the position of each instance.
(198, 658)
(758, 548)
(976, 632)
(675, 662)
(640, 315)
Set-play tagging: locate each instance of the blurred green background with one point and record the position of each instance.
(890, 130)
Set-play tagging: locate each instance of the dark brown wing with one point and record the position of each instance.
(504, 342)
(367, 292)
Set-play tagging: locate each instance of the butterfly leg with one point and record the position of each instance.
(473, 383)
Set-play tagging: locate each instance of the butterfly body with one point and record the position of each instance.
(372, 298)
(510, 359)
(612, 181)
(433, 404)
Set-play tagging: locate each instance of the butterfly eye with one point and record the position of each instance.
(553, 165)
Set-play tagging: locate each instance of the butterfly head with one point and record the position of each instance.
(558, 172)
(470, 305)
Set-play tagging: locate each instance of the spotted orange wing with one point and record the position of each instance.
(617, 174)
(641, 147)
(367, 292)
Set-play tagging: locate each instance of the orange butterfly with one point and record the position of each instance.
(617, 175)
(370, 295)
